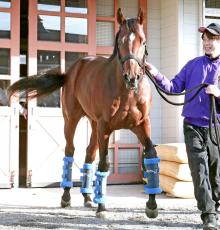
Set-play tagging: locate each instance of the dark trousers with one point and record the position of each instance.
(204, 163)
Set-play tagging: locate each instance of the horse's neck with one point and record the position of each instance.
(117, 73)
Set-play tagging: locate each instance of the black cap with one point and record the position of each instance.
(213, 28)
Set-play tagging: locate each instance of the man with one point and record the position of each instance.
(203, 155)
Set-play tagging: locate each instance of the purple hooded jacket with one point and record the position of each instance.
(196, 71)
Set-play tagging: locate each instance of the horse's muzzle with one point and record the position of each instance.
(131, 82)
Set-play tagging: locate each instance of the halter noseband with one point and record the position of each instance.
(128, 57)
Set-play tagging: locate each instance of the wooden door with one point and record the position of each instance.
(9, 112)
(53, 44)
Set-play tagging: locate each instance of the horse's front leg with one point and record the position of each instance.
(102, 172)
(151, 173)
(150, 168)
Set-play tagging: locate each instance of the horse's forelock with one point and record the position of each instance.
(132, 24)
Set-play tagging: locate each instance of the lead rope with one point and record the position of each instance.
(215, 119)
(159, 90)
(213, 112)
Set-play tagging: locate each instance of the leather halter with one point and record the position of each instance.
(128, 57)
(131, 56)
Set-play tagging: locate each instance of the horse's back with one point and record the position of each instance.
(84, 68)
(84, 83)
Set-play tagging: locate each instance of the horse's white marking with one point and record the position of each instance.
(131, 37)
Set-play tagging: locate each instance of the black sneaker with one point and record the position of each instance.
(209, 222)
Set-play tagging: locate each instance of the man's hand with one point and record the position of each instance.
(213, 89)
(152, 69)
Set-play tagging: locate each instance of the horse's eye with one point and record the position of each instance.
(123, 40)
(119, 43)
(144, 43)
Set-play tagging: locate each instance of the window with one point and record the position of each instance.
(105, 27)
(105, 8)
(5, 25)
(76, 30)
(48, 28)
(5, 3)
(104, 33)
(49, 5)
(5, 61)
(106, 19)
(212, 11)
(212, 3)
(48, 60)
(72, 6)
(128, 160)
(130, 8)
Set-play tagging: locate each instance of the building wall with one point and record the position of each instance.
(154, 54)
(173, 39)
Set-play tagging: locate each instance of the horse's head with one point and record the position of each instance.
(131, 48)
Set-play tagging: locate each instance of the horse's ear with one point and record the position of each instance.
(140, 17)
(120, 17)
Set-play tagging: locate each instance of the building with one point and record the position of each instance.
(36, 35)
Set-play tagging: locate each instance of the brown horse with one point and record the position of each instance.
(114, 94)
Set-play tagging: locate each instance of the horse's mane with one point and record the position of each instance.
(115, 50)
(130, 23)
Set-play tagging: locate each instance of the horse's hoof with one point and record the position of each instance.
(88, 204)
(102, 215)
(151, 213)
(65, 204)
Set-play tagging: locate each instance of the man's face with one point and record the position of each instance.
(211, 46)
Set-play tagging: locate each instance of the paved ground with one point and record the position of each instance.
(39, 208)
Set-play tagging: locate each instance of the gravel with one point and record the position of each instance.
(39, 208)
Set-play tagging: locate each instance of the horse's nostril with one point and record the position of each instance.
(126, 77)
(138, 77)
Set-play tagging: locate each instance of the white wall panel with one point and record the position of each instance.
(153, 44)
(173, 39)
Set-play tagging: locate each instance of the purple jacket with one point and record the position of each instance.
(196, 71)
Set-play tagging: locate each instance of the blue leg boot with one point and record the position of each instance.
(87, 183)
(66, 182)
(151, 175)
(100, 193)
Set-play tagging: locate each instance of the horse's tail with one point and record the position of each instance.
(35, 86)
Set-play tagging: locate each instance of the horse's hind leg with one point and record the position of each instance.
(69, 131)
(151, 169)
(87, 178)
